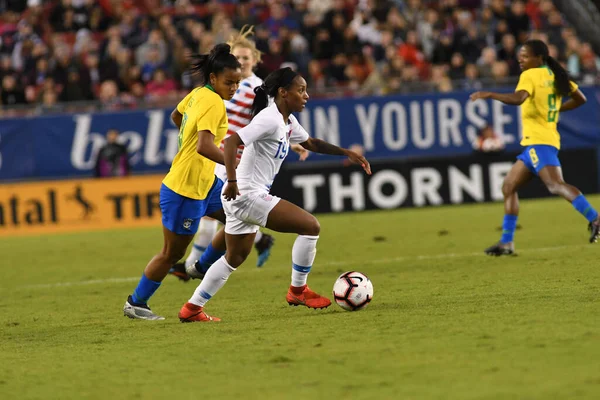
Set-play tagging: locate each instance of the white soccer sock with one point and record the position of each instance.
(214, 280)
(208, 229)
(303, 256)
(258, 236)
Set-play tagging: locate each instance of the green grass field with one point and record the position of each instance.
(446, 321)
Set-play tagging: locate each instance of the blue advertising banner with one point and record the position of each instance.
(418, 126)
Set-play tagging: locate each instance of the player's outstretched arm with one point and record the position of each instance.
(513, 99)
(321, 146)
(577, 99)
(206, 147)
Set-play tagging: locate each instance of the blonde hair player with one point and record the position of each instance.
(239, 115)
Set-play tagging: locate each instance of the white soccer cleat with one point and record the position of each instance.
(193, 272)
(139, 311)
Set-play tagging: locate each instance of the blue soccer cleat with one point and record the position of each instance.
(263, 247)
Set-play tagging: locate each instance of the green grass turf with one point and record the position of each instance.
(446, 321)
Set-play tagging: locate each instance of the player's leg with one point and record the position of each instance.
(173, 249)
(518, 176)
(239, 245)
(552, 177)
(215, 247)
(209, 226)
(180, 219)
(206, 232)
(288, 218)
(215, 250)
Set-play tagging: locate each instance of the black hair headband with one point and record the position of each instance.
(288, 76)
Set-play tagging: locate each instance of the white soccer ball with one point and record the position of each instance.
(353, 291)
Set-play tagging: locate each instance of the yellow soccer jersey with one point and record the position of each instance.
(192, 175)
(539, 112)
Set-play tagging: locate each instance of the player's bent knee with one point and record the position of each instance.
(508, 188)
(173, 255)
(313, 228)
(555, 188)
(237, 259)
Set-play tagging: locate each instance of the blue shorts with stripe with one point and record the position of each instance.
(538, 156)
(181, 215)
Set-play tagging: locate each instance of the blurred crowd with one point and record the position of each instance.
(127, 53)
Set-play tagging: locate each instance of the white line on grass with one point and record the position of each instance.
(331, 263)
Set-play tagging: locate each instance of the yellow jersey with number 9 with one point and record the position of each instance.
(539, 112)
(192, 175)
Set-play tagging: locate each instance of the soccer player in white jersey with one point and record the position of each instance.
(248, 204)
(239, 114)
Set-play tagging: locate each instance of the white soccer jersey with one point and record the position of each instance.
(267, 139)
(239, 108)
(239, 114)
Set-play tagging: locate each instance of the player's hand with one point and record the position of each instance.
(480, 95)
(359, 159)
(302, 152)
(231, 191)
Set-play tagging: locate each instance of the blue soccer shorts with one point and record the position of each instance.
(181, 215)
(539, 156)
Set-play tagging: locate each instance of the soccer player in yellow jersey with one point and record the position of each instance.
(542, 86)
(190, 190)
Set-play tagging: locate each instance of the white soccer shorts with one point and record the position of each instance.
(221, 172)
(248, 212)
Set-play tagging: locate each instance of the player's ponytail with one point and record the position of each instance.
(281, 78)
(562, 84)
(216, 61)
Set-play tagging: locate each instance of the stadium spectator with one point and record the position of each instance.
(457, 67)
(486, 61)
(12, 94)
(508, 54)
(112, 159)
(161, 87)
(472, 80)
(518, 21)
(74, 89)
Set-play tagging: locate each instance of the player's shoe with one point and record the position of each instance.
(594, 228)
(193, 313)
(501, 249)
(135, 310)
(178, 270)
(263, 247)
(193, 272)
(307, 298)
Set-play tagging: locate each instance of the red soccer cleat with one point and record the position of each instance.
(306, 298)
(193, 313)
